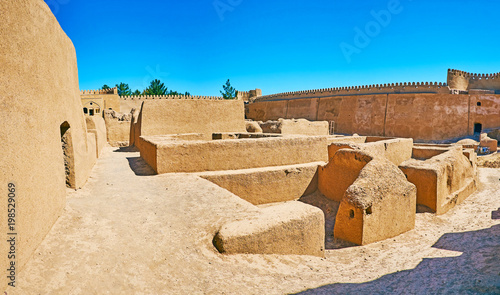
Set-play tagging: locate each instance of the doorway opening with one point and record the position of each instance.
(478, 127)
(69, 159)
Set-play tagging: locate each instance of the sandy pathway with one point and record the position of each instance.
(125, 233)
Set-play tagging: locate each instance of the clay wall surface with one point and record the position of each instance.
(127, 103)
(443, 180)
(97, 126)
(289, 228)
(176, 116)
(380, 204)
(118, 132)
(487, 114)
(231, 154)
(304, 127)
(411, 87)
(294, 127)
(107, 99)
(269, 184)
(427, 116)
(31, 151)
(118, 126)
(421, 116)
(468, 81)
(268, 110)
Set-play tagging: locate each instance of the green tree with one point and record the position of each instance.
(105, 87)
(123, 89)
(156, 88)
(136, 92)
(187, 94)
(229, 91)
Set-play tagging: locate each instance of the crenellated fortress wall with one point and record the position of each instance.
(127, 103)
(466, 81)
(408, 87)
(422, 111)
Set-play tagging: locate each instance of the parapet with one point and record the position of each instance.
(458, 73)
(407, 87)
(249, 95)
(465, 81)
(151, 97)
(100, 91)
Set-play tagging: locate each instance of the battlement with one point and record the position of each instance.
(99, 91)
(150, 97)
(465, 81)
(458, 73)
(407, 87)
(248, 95)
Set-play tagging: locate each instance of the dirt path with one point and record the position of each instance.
(128, 233)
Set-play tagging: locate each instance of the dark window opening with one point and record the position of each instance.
(91, 112)
(85, 111)
(478, 103)
(478, 127)
(351, 214)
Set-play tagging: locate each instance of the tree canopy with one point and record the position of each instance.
(156, 88)
(123, 89)
(229, 91)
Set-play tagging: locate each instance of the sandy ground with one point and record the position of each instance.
(489, 161)
(130, 232)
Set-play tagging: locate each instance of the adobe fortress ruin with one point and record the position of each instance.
(375, 153)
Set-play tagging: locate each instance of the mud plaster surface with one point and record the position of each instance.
(130, 232)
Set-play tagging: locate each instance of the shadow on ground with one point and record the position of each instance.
(140, 167)
(476, 271)
(495, 215)
(330, 209)
(126, 149)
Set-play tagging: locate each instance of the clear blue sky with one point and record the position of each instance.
(278, 45)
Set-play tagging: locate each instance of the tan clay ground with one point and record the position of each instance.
(489, 161)
(125, 233)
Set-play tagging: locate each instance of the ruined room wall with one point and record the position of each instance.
(267, 110)
(427, 116)
(118, 128)
(127, 103)
(217, 155)
(97, 126)
(176, 116)
(38, 64)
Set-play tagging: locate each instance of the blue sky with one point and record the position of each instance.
(278, 46)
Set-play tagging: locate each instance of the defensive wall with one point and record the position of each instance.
(127, 103)
(100, 100)
(465, 81)
(422, 111)
(108, 99)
